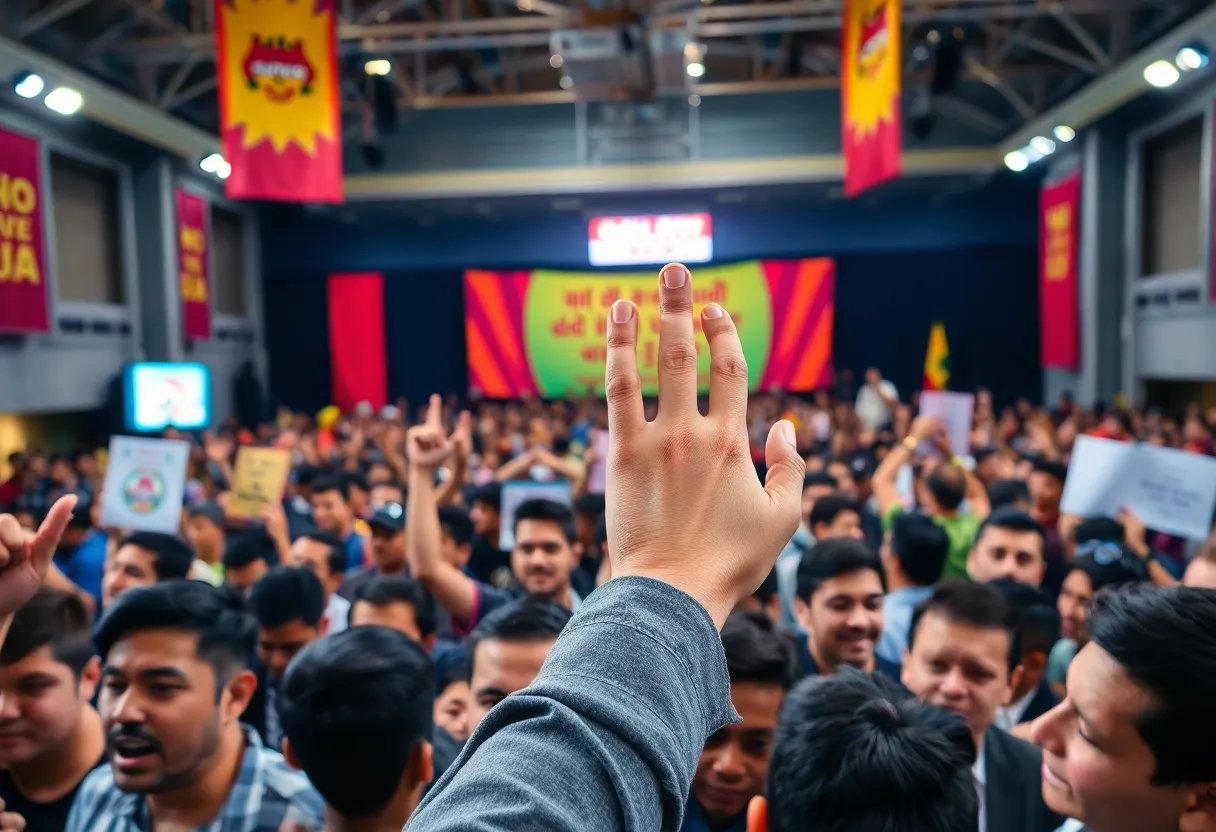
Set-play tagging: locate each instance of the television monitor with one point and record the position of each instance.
(167, 395)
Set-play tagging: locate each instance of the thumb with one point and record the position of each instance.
(463, 425)
(783, 483)
(50, 532)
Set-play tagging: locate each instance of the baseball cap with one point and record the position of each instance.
(389, 516)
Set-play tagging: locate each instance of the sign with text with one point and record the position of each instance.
(654, 240)
(543, 333)
(1059, 215)
(194, 265)
(870, 73)
(144, 485)
(24, 300)
(1171, 491)
(956, 411)
(259, 478)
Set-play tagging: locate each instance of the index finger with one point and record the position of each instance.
(622, 385)
(434, 413)
(51, 531)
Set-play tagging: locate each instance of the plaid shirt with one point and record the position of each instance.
(267, 793)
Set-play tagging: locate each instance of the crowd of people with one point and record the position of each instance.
(741, 613)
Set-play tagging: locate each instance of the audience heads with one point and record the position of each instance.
(855, 753)
(397, 602)
(815, 486)
(947, 486)
(455, 535)
(486, 505)
(1009, 545)
(506, 651)
(1009, 494)
(452, 694)
(1131, 746)
(204, 528)
(356, 713)
(144, 558)
(249, 556)
(765, 599)
(1095, 566)
(546, 548)
(918, 547)
(288, 602)
(835, 516)
(1038, 630)
(331, 504)
(324, 555)
(839, 604)
(175, 680)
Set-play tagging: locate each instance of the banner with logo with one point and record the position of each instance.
(144, 485)
(1059, 216)
(541, 333)
(24, 300)
(279, 103)
(194, 264)
(871, 116)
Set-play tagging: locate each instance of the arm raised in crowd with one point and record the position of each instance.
(608, 736)
(25, 557)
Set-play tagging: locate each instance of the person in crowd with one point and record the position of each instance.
(1038, 632)
(963, 655)
(835, 516)
(506, 651)
(144, 558)
(387, 528)
(815, 486)
(399, 603)
(839, 605)
(1128, 750)
(734, 763)
(452, 697)
(876, 400)
(383, 493)
(288, 603)
(1009, 544)
(356, 711)
(81, 555)
(175, 680)
(913, 557)
(332, 513)
(764, 600)
(359, 498)
(247, 557)
(324, 555)
(205, 528)
(854, 751)
(50, 736)
(1009, 494)
(1201, 571)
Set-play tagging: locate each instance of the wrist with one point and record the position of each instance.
(910, 443)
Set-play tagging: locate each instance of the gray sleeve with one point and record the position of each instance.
(609, 734)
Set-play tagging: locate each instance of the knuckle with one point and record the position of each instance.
(728, 447)
(730, 366)
(676, 444)
(619, 336)
(621, 387)
(679, 358)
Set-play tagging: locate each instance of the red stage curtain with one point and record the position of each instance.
(357, 358)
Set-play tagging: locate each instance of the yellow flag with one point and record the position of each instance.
(937, 359)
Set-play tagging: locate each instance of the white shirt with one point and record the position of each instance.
(337, 614)
(1071, 825)
(980, 772)
(871, 409)
(1009, 716)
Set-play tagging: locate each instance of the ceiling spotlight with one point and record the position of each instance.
(64, 100)
(1161, 74)
(692, 51)
(1042, 145)
(212, 163)
(567, 82)
(556, 61)
(224, 170)
(694, 100)
(695, 69)
(29, 85)
(1016, 161)
(1064, 133)
(1191, 57)
(379, 66)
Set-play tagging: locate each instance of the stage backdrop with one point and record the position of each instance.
(542, 332)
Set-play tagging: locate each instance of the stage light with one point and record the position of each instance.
(1042, 146)
(1191, 57)
(694, 100)
(1161, 74)
(29, 85)
(64, 100)
(567, 82)
(379, 66)
(556, 61)
(224, 170)
(1016, 161)
(695, 70)
(1065, 133)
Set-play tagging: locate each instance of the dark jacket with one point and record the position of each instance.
(1013, 789)
(1044, 700)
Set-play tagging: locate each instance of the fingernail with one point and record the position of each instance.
(622, 312)
(787, 432)
(712, 312)
(675, 277)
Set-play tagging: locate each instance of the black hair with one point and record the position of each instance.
(590, 504)
(51, 618)
(332, 482)
(453, 673)
(336, 556)
(227, 633)
(1011, 519)
(305, 475)
(974, 605)
(397, 484)
(1100, 529)
(948, 485)
(355, 706)
(383, 590)
(757, 652)
(173, 556)
(856, 751)
(1108, 565)
(1004, 493)
(490, 494)
(1165, 640)
(921, 545)
(1038, 617)
(528, 620)
(548, 511)
(819, 478)
(832, 558)
(768, 587)
(457, 524)
(353, 479)
(827, 509)
(250, 546)
(287, 593)
(1056, 470)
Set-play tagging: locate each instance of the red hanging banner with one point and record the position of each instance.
(194, 265)
(1059, 217)
(24, 300)
(870, 93)
(358, 357)
(277, 62)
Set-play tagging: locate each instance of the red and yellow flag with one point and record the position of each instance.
(869, 94)
(280, 109)
(937, 359)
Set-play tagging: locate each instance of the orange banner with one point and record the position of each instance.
(870, 89)
(280, 109)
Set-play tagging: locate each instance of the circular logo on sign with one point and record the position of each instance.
(143, 491)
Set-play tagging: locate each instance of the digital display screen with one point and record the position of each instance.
(160, 396)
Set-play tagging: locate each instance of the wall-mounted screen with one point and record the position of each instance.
(652, 240)
(160, 396)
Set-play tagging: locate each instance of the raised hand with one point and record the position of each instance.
(684, 505)
(25, 556)
(428, 444)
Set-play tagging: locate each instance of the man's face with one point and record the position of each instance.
(812, 494)
(242, 578)
(1045, 491)
(734, 762)
(40, 705)
(501, 668)
(130, 567)
(452, 710)
(845, 524)
(1200, 573)
(451, 551)
(1096, 767)
(388, 549)
(1076, 594)
(277, 646)
(160, 711)
(1005, 553)
(485, 518)
(206, 537)
(542, 559)
(313, 555)
(397, 615)
(330, 512)
(844, 618)
(384, 493)
(961, 668)
(845, 484)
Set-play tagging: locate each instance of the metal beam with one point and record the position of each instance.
(983, 73)
(1049, 50)
(192, 92)
(1083, 37)
(179, 77)
(42, 19)
(385, 9)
